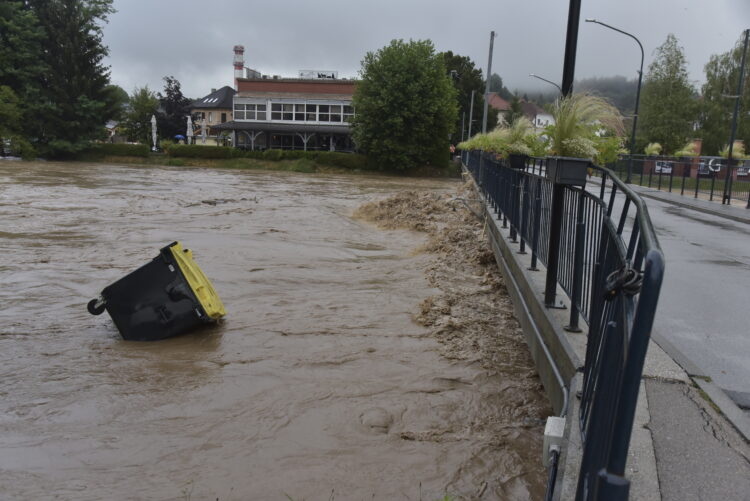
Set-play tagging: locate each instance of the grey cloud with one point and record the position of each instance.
(193, 40)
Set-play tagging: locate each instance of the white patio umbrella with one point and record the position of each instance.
(203, 131)
(153, 131)
(189, 130)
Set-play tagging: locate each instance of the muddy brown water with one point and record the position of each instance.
(328, 379)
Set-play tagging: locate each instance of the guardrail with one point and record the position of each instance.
(599, 245)
(709, 178)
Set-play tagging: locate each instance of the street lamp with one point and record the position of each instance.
(545, 80)
(637, 95)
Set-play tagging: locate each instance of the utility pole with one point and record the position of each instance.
(471, 112)
(726, 198)
(487, 85)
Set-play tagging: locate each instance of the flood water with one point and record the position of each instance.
(318, 385)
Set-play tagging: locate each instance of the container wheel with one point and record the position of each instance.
(96, 306)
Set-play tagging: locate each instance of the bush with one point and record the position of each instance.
(352, 161)
(123, 150)
(96, 151)
(195, 151)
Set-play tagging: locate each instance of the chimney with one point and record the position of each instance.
(239, 64)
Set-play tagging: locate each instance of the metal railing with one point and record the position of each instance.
(708, 178)
(610, 265)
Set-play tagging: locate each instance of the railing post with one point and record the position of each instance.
(713, 182)
(611, 487)
(514, 192)
(697, 181)
(682, 190)
(671, 178)
(577, 266)
(538, 222)
(555, 229)
(524, 212)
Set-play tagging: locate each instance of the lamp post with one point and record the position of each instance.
(545, 80)
(637, 95)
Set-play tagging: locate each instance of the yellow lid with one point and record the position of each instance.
(200, 284)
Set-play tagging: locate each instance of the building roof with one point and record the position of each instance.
(221, 98)
(531, 110)
(498, 102)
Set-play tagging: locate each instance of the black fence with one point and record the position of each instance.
(610, 265)
(709, 178)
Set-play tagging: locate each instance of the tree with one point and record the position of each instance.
(406, 106)
(175, 108)
(467, 77)
(515, 111)
(74, 105)
(496, 85)
(722, 76)
(137, 120)
(117, 100)
(668, 105)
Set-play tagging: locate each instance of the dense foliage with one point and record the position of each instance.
(175, 108)
(51, 57)
(137, 120)
(722, 77)
(466, 77)
(406, 106)
(668, 102)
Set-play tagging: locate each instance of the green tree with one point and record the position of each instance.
(406, 106)
(515, 112)
(137, 120)
(21, 63)
(467, 77)
(175, 109)
(496, 85)
(668, 103)
(117, 100)
(722, 76)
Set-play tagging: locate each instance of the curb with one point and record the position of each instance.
(726, 405)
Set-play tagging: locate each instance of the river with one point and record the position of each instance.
(321, 383)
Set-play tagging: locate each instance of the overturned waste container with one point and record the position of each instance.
(166, 297)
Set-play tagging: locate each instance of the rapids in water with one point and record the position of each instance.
(338, 373)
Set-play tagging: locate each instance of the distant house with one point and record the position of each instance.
(215, 108)
(498, 103)
(538, 117)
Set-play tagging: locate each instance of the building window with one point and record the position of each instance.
(223, 117)
(348, 113)
(312, 112)
(210, 117)
(239, 111)
(275, 111)
(336, 113)
(324, 113)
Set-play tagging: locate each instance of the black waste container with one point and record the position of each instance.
(168, 296)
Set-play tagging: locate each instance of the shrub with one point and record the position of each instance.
(195, 151)
(124, 150)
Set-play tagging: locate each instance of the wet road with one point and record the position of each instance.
(318, 384)
(704, 303)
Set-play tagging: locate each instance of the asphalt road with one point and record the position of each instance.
(703, 318)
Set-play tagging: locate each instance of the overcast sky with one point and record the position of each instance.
(193, 40)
